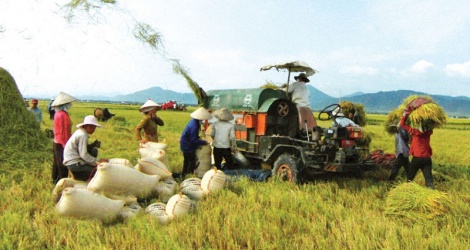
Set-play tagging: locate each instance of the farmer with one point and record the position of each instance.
(148, 126)
(223, 135)
(50, 109)
(35, 110)
(340, 121)
(76, 156)
(420, 149)
(300, 95)
(62, 132)
(401, 150)
(190, 139)
(299, 91)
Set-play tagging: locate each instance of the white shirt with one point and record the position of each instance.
(75, 149)
(344, 122)
(300, 94)
(223, 133)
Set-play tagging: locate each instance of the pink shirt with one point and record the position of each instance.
(62, 127)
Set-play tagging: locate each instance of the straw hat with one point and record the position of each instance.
(63, 98)
(223, 114)
(89, 120)
(201, 114)
(148, 106)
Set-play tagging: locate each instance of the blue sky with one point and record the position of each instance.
(366, 46)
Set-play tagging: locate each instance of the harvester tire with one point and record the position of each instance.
(286, 168)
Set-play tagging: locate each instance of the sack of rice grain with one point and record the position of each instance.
(166, 189)
(156, 154)
(155, 145)
(153, 166)
(213, 180)
(128, 199)
(129, 211)
(116, 179)
(203, 160)
(85, 204)
(120, 161)
(158, 211)
(179, 204)
(66, 183)
(192, 188)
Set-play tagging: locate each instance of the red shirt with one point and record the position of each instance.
(62, 127)
(420, 141)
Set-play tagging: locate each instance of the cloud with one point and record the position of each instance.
(421, 66)
(458, 69)
(357, 70)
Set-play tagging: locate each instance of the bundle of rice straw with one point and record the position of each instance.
(357, 109)
(412, 201)
(269, 85)
(425, 114)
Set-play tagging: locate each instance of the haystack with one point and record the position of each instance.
(22, 139)
(357, 109)
(412, 201)
(425, 114)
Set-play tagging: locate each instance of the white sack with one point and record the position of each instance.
(153, 166)
(85, 204)
(115, 179)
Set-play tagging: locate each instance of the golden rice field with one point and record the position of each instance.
(328, 213)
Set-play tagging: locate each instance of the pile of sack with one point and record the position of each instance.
(113, 193)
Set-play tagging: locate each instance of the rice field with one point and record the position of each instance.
(328, 213)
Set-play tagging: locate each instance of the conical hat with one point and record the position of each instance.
(62, 98)
(149, 105)
(223, 114)
(201, 114)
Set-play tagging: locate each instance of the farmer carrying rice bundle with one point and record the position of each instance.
(421, 115)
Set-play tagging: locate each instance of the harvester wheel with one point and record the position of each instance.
(286, 168)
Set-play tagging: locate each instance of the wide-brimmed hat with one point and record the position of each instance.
(89, 120)
(201, 114)
(302, 77)
(149, 105)
(62, 98)
(337, 112)
(223, 114)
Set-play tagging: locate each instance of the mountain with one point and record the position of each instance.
(385, 101)
(157, 94)
(380, 102)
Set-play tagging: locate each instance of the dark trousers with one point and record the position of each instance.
(59, 171)
(425, 164)
(225, 153)
(252, 174)
(399, 161)
(82, 172)
(189, 164)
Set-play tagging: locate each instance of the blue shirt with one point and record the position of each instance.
(190, 140)
(37, 113)
(401, 142)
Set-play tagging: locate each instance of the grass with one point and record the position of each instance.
(328, 213)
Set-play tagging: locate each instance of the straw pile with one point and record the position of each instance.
(20, 132)
(357, 109)
(412, 201)
(425, 115)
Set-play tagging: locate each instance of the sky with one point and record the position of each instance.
(355, 45)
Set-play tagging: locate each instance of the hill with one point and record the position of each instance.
(380, 102)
